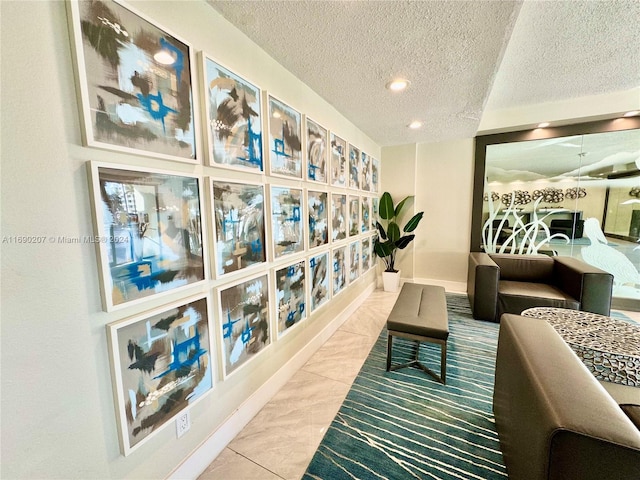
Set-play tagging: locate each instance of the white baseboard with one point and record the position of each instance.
(453, 287)
(209, 449)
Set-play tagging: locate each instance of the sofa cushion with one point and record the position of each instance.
(633, 412)
(514, 297)
(530, 268)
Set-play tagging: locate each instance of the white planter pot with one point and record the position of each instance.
(391, 281)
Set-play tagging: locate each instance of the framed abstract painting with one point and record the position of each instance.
(285, 139)
(286, 221)
(339, 218)
(318, 222)
(354, 167)
(354, 261)
(239, 225)
(319, 280)
(366, 254)
(375, 201)
(354, 215)
(338, 161)
(365, 217)
(365, 172)
(135, 82)
(161, 364)
(339, 268)
(150, 230)
(290, 302)
(244, 317)
(317, 152)
(234, 118)
(375, 175)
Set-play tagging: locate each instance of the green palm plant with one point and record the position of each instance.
(390, 238)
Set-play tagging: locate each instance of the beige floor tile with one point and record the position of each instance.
(281, 439)
(341, 357)
(286, 433)
(231, 466)
(371, 315)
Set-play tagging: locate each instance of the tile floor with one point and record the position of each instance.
(281, 440)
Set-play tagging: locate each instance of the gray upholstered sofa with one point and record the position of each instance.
(555, 421)
(509, 283)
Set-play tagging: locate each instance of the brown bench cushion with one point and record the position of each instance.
(420, 310)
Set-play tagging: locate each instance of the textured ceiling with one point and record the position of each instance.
(453, 52)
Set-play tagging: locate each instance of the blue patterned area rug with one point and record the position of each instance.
(405, 425)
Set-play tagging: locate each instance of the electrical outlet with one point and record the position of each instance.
(183, 423)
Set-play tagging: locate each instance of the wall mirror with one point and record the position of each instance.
(572, 190)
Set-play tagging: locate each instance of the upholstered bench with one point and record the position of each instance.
(420, 314)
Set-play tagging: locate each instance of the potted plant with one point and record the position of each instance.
(391, 239)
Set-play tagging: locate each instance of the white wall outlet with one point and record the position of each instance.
(183, 423)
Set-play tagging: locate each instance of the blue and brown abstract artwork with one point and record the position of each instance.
(150, 232)
(354, 167)
(234, 119)
(339, 268)
(365, 172)
(318, 218)
(285, 139)
(317, 153)
(375, 175)
(338, 161)
(291, 305)
(161, 365)
(366, 254)
(365, 217)
(319, 268)
(135, 81)
(354, 261)
(244, 313)
(286, 221)
(338, 217)
(238, 210)
(354, 215)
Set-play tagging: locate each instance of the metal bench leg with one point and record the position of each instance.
(416, 362)
(443, 362)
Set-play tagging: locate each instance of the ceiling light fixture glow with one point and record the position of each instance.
(415, 125)
(543, 124)
(164, 57)
(632, 113)
(397, 85)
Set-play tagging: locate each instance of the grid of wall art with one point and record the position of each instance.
(265, 233)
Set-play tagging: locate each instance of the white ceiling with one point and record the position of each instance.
(461, 57)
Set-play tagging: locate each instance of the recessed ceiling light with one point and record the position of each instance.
(415, 124)
(543, 124)
(397, 85)
(632, 113)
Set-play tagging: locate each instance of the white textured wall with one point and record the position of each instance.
(58, 415)
(445, 175)
(399, 166)
(440, 175)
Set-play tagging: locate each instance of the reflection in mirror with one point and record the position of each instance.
(151, 224)
(575, 195)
